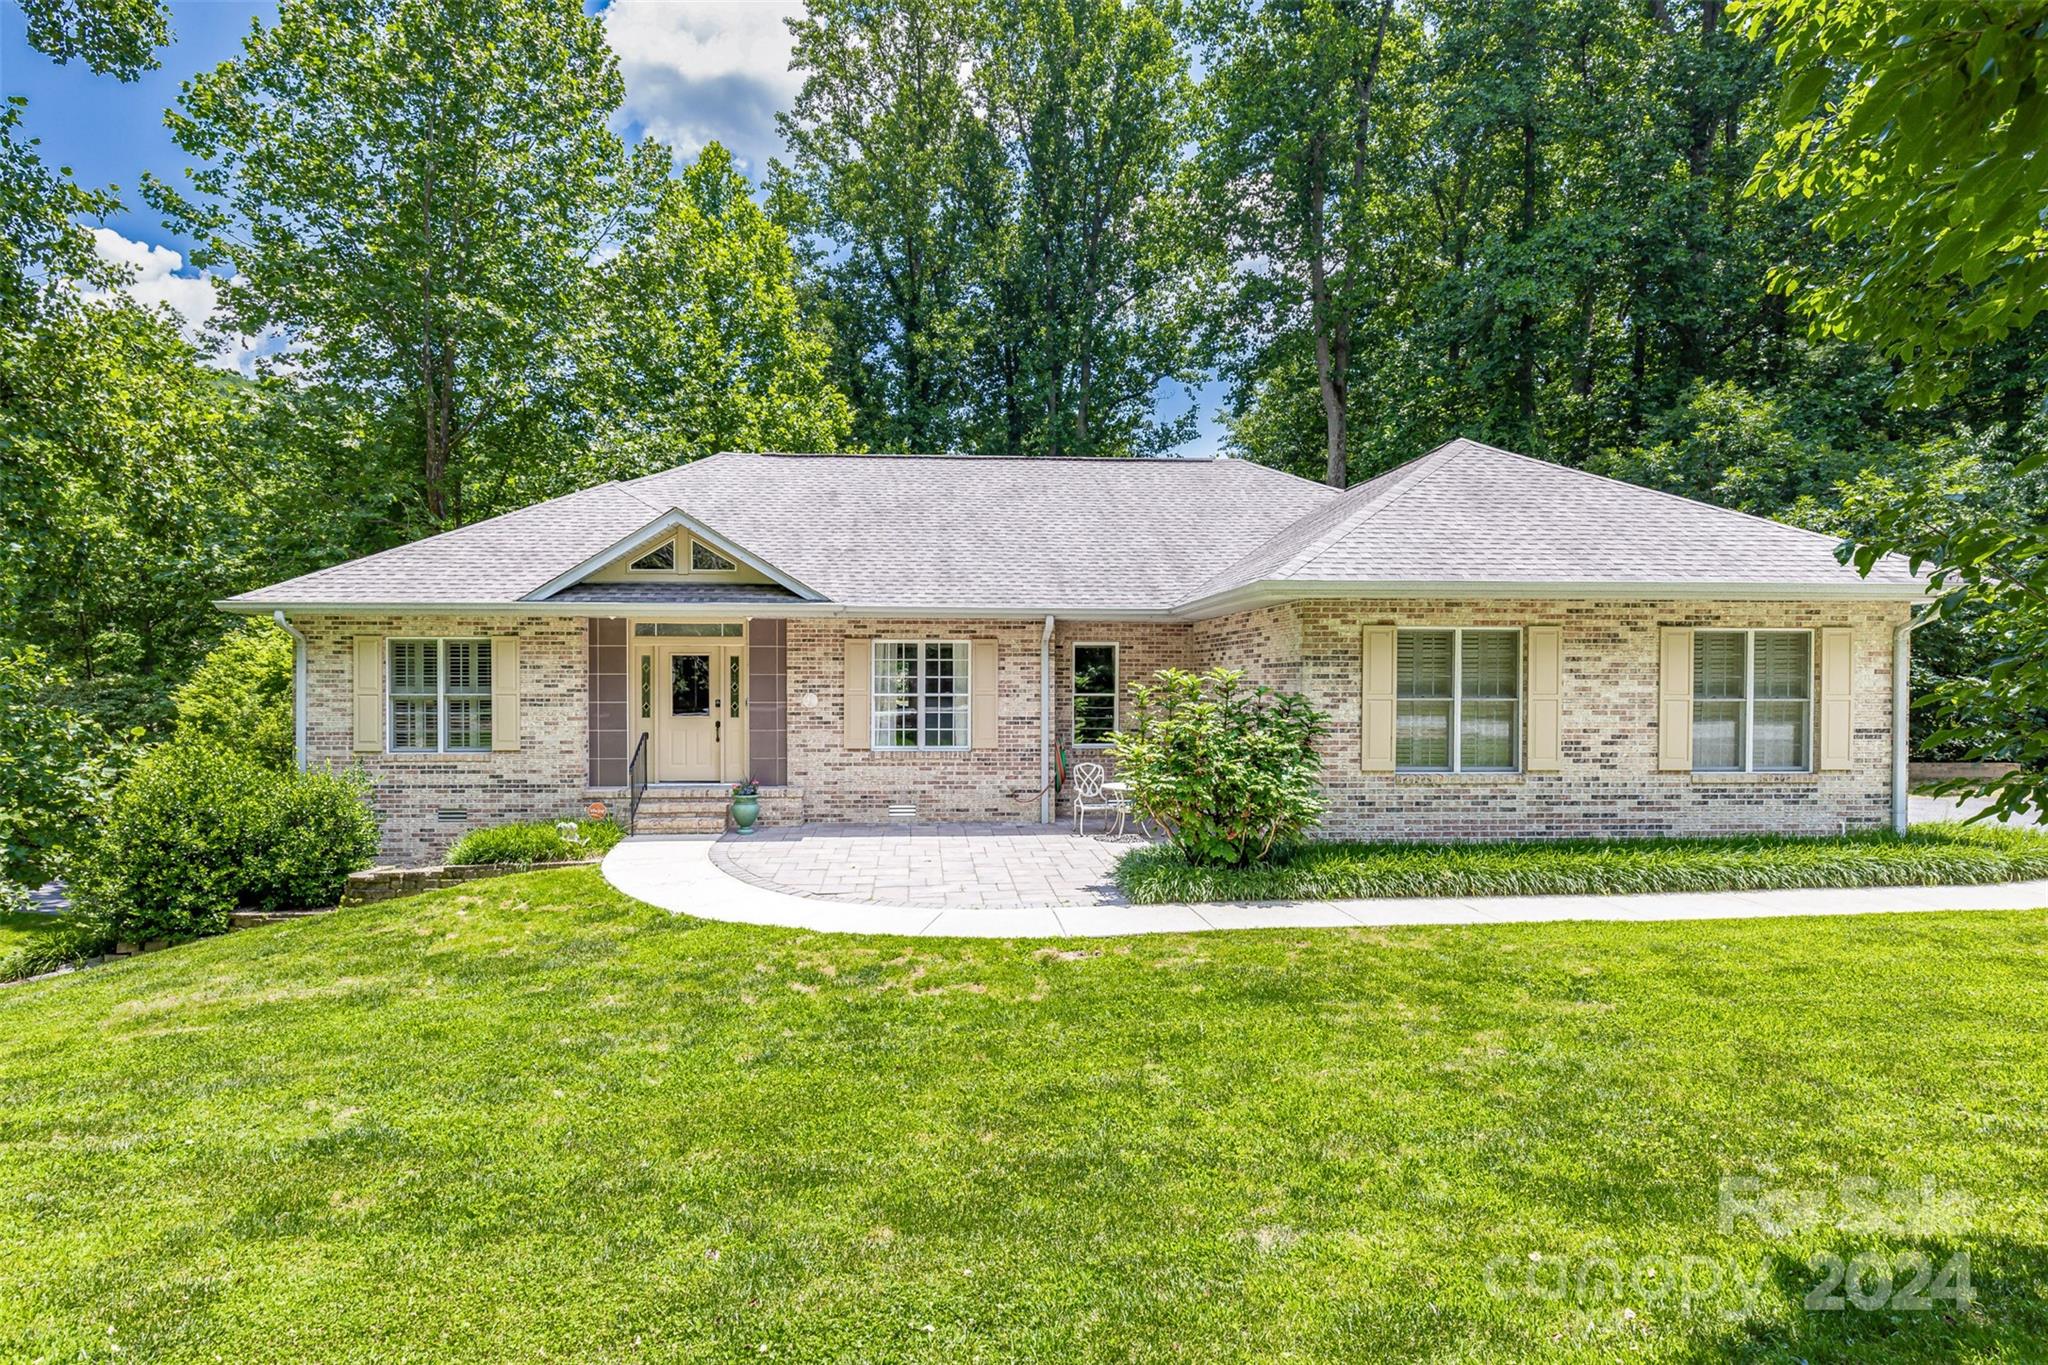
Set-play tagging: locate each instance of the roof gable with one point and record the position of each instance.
(679, 529)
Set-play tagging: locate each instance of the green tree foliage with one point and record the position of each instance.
(128, 501)
(709, 345)
(416, 192)
(240, 696)
(1916, 127)
(115, 38)
(56, 767)
(1301, 126)
(878, 137)
(1232, 772)
(991, 185)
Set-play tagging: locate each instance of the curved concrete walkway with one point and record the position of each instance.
(677, 873)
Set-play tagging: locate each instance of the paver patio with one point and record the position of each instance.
(966, 866)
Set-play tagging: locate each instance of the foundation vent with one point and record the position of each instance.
(451, 817)
(903, 813)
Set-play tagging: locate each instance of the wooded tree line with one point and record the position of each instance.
(1570, 227)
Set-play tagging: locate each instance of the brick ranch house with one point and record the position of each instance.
(1504, 647)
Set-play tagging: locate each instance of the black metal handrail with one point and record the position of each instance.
(636, 784)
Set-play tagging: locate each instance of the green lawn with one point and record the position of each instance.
(1930, 855)
(19, 928)
(527, 1118)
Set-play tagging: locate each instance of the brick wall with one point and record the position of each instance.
(1610, 785)
(542, 780)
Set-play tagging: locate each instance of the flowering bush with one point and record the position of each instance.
(1231, 772)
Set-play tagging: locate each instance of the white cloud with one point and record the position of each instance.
(698, 72)
(155, 278)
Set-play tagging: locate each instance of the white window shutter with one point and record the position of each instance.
(860, 663)
(1376, 700)
(505, 693)
(369, 694)
(1837, 696)
(1546, 698)
(1674, 699)
(981, 675)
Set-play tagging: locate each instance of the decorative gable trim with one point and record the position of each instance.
(644, 539)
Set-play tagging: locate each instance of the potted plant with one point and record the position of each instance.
(746, 807)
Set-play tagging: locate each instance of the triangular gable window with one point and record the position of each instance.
(703, 560)
(659, 559)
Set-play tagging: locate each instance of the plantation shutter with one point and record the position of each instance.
(981, 678)
(505, 693)
(1674, 699)
(1376, 700)
(369, 694)
(860, 656)
(1837, 693)
(1546, 698)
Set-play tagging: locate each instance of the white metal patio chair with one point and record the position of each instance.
(1089, 795)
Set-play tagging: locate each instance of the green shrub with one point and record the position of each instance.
(240, 696)
(196, 830)
(1231, 772)
(539, 842)
(1930, 855)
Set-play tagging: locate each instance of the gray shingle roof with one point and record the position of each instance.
(949, 533)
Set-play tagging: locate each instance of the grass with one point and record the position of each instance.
(1930, 855)
(527, 1118)
(20, 928)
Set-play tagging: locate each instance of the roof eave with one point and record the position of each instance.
(1268, 591)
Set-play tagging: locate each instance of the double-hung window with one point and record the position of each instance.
(1094, 694)
(1752, 701)
(920, 694)
(1458, 700)
(440, 696)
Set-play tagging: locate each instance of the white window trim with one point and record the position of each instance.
(1115, 694)
(963, 692)
(1749, 694)
(674, 547)
(690, 565)
(1457, 736)
(440, 643)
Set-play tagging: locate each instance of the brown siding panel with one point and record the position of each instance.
(609, 748)
(767, 700)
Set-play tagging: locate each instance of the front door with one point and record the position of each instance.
(688, 734)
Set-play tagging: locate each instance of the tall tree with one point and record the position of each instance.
(416, 192)
(115, 38)
(708, 346)
(1086, 106)
(877, 138)
(1296, 165)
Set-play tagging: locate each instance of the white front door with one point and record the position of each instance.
(687, 729)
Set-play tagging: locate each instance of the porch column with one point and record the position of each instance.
(609, 748)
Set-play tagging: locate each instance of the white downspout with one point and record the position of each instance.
(1045, 725)
(298, 688)
(1902, 705)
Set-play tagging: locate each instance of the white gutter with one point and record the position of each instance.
(1045, 725)
(1902, 705)
(298, 689)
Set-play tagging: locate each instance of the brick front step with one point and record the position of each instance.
(704, 811)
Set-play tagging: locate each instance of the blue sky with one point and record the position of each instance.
(695, 70)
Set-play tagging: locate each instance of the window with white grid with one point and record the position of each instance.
(919, 694)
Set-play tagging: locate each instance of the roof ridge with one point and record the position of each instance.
(1373, 506)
